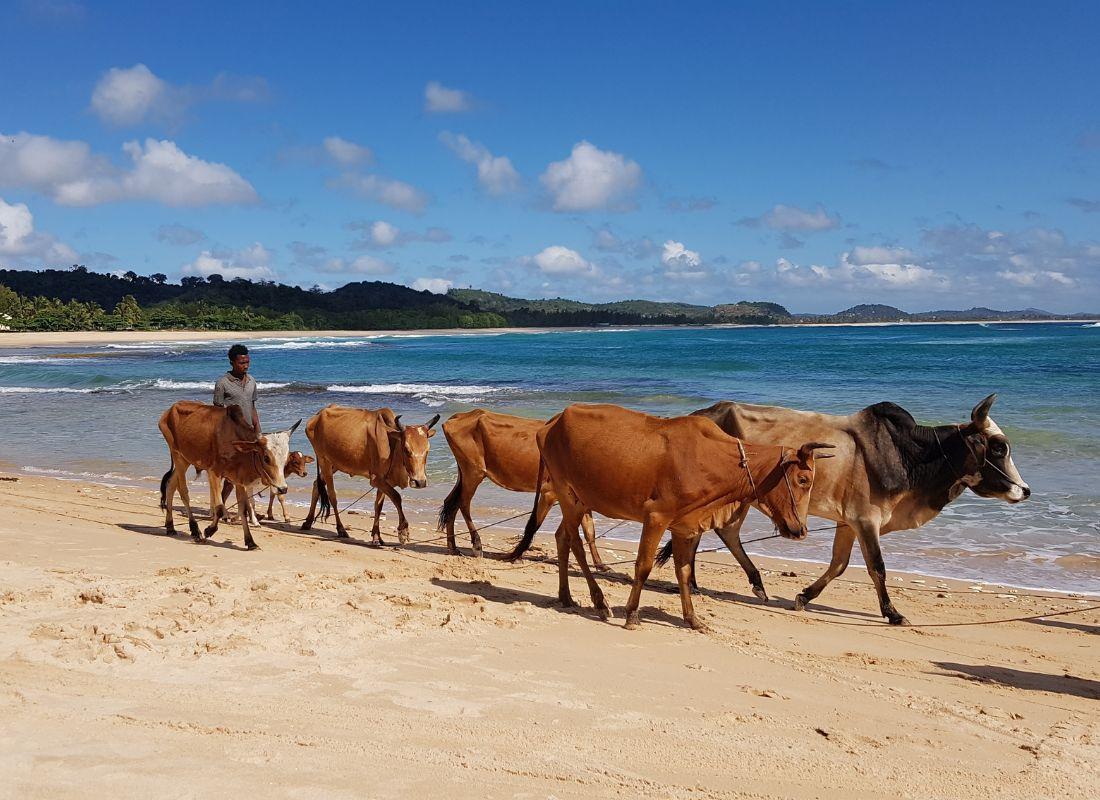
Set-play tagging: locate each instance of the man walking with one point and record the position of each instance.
(237, 388)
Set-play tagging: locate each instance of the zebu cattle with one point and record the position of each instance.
(370, 444)
(890, 474)
(684, 474)
(217, 439)
(502, 448)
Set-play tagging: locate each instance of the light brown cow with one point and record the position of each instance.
(370, 444)
(217, 439)
(684, 475)
(502, 448)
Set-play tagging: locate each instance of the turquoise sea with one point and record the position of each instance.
(90, 412)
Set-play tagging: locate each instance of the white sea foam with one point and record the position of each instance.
(431, 394)
(51, 390)
(308, 344)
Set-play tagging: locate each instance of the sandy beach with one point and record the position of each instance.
(134, 665)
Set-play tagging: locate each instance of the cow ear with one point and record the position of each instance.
(981, 411)
(431, 433)
(808, 449)
(245, 447)
(235, 413)
(308, 459)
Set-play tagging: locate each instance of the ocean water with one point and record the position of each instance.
(90, 412)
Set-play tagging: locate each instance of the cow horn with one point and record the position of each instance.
(981, 411)
(433, 421)
(807, 450)
(294, 427)
(398, 423)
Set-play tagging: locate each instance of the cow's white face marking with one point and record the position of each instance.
(1015, 493)
(278, 450)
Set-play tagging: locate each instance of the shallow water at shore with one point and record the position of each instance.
(91, 411)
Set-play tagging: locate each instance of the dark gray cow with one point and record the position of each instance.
(889, 474)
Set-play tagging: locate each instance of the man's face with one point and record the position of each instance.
(240, 364)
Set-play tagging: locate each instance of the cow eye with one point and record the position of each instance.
(998, 449)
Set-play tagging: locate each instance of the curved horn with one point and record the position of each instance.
(981, 411)
(400, 425)
(807, 450)
(433, 421)
(294, 427)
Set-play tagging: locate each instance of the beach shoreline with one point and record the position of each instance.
(30, 339)
(304, 663)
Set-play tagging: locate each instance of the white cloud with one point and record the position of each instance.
(346, 153)
(792, 218)
(439, 99)
(496, 174)
(674, 254)
(132, 95)
(880, 255)
(128, 96)
(558, 260)
(433, 285)
(903, 274)
(72, 175)
(387, 191)
(21, 244)
(592, 179)
(253, 262)
(1036, 278)
(381, 234)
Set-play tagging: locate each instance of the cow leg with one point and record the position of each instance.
(731, 538)
(563, 539)
(271, 506)
(181, 484)
(282, 505)
(652, 530)
(402, 523)
(243, 506)
(226, 490)
(376, 531)
(307, 523)
(876, 568)
(594, 590)
(682, 551)
(842, 551)
(330, 484)
(589, 528)
(169, 492)
(467, 496)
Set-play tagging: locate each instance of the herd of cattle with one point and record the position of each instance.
(871, 472)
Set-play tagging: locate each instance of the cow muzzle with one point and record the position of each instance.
(418, 483)
(281, 490)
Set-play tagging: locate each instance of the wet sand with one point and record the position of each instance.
(135, 664)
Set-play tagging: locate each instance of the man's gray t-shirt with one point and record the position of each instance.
(229, 391)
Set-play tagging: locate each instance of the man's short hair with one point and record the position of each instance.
(237, 350)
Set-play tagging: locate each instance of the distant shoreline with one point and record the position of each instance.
(20, 339)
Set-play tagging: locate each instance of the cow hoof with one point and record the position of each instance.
(479, 553)
(402, 536)
(193, 527)
(342, 534)
(899, 620)
(605, 613)
(696, 625)
(453, 551)
(761, 595)
(252, 546)
(800, 602)
(209, 531)
(376, 541)
(307, 525)
(601, 567)
(633, 621)
(170, 530)
(567, 602)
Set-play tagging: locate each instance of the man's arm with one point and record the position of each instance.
(219, 393)
(255, 410)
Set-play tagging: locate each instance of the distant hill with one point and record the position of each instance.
(79, 299)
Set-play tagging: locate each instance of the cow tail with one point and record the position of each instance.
(532, 521)
(164, 485)
(665, 554)
(324, 504)
(449, 509)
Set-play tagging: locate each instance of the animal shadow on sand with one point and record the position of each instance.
(509, 596)
(1023, 679)
(180, 536)
(1069, 626)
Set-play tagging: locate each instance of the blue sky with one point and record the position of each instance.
(818, 155)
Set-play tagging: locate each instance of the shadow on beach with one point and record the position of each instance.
(1023, 679)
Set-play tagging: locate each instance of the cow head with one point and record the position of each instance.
(411, 443)
(271, 453)
(297, 463)
(989, 470)
(785, 495)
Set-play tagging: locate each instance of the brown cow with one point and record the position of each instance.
(891, 474)
(684, 474)
(502, 448)
(373, 445)
(217, 439)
